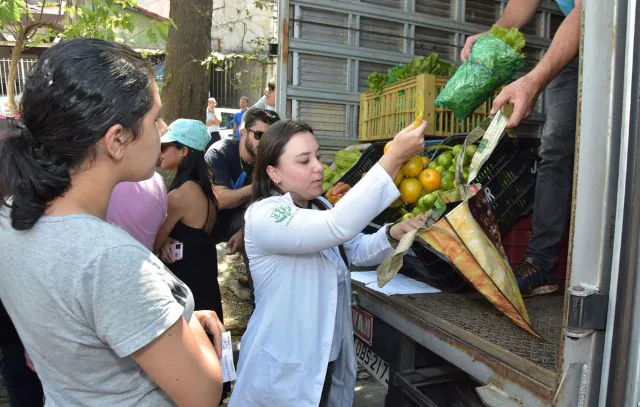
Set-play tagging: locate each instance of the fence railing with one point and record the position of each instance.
(24, 67)
(243, 78)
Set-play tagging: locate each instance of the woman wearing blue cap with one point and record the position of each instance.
(184, 239)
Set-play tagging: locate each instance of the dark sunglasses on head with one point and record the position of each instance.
(257, 134)
(273, 116)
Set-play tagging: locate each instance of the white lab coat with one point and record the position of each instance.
(295, 262)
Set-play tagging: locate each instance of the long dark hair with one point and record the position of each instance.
(269, 151)
(194, 168)
(77, 90)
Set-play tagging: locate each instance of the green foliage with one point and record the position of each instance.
(100, 19)
(11, 11)
(431, 65)
(510, 36)
(377, 81)
(159, 32)
(95, 18)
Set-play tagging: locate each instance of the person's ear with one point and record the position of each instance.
(274, 175)
(115, 141)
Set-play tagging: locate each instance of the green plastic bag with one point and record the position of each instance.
(492, 62)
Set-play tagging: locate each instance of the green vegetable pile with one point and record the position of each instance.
(345, 159)
(495, 58)
(432, 65)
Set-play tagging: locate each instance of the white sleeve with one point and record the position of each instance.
(277, 226)
(369, 250)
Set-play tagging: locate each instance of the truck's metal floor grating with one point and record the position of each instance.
(478, 316)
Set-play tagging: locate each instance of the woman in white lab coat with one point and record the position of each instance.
(298, 349)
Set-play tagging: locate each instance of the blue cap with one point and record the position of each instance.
(189, 132)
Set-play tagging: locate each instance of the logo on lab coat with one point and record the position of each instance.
(281, 213)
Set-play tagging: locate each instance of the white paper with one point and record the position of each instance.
(365, 277)
(228, 369)
(399, 284)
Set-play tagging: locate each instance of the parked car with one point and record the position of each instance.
(226, 128)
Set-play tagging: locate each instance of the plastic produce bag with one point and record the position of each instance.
(495, 58)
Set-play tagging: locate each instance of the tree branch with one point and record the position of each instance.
(14, 29)
(59, 12)
(31, 28)
(41, 9)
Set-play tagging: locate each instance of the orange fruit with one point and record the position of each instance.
(413, 167)
(398, 179)
(425, 161)
(387, 146)
(410, 190)
(430, 179)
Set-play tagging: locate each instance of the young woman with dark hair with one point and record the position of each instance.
(192, 213)
(102, 319)
(298, 348)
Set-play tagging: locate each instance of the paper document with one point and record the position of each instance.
(364, 277)
(399, 284)
(228, 369)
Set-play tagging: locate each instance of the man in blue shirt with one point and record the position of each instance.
(231, 162)
(237, 118)
(557, 72)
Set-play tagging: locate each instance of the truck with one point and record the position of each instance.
(456, 349)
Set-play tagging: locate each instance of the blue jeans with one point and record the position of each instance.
(552, 203)
(21, 382)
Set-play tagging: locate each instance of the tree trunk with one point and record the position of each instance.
(185, 89)
(16, 53)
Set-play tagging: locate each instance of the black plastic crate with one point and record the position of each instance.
(368, 159)
(509, 176)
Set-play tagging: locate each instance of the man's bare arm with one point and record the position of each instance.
(232, 198)
(518, 13)
(523, 92)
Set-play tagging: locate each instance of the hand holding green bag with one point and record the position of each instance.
(495, 58)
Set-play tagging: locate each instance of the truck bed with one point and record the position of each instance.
(472, 334)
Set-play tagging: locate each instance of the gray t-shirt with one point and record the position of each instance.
(84, 296)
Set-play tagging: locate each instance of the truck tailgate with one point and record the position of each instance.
(469, 332)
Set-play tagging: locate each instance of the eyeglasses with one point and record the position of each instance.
(257, 134)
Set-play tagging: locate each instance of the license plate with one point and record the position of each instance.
(372, 362)
(362, 324)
